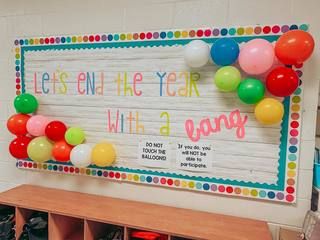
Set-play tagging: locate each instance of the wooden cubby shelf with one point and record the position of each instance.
(22, 216)
(95, 230)
(77, 216)
(64, 227)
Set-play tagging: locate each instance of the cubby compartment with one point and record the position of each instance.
(65, 227)
(179, 238)
(139, 234)
(7, 222)
(98, 230)
(87, 220)
(37, 219)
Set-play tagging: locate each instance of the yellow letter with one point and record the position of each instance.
(183, 91)
(130, 118)
(63, 76)
(139, 126)
(126, 86)
(99, 89)
(194, 77)
(118, 81)
(165, 130)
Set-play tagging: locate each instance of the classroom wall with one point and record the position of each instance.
(21, 18)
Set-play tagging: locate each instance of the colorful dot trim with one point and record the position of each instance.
(203, 33)
(287, 195)
(293, 136)
(163, 181)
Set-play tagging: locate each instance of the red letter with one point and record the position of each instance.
(189, 127)
(81, 78)
(113, 127)
(137, 78)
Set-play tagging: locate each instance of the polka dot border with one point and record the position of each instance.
(162, 181)
(19, 84)
(293, 135)
(177, 34)
(287, 195)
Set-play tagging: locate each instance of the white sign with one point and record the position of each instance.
(194, 157)
(154, 154)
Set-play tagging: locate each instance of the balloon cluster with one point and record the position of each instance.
(40, 140)
(259, 60)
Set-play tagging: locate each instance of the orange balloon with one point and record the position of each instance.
(61, 151)
(294, 47)
(17, 124)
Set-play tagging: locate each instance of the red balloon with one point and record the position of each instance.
(61, 151)
(17, 124)
(55, 130)
(294, 47)
(282, 81)
(18, 147)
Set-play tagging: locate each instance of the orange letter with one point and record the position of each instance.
(171, 79)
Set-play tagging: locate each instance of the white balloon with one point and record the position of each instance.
(196, 53)
(80, 155)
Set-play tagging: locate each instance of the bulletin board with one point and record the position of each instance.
(135, 91)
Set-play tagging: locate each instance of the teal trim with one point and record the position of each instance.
(283, 145)
(156, 43)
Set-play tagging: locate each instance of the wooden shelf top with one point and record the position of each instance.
(163, 219)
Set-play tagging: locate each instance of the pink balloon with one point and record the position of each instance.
(256, 56)
(275, 64)
(36, 125)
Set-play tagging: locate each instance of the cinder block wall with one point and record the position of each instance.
(27, 18)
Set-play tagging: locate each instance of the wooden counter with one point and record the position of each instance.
(79, 210)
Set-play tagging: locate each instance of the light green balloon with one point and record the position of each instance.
(39, 149)
(74, 136)
(227, 79)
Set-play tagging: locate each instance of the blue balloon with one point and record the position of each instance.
(224, 51)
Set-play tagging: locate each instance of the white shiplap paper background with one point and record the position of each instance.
(252, 159)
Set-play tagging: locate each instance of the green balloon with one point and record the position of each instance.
(251, 91)
(25, 103)
(227, 78)
(74, 136)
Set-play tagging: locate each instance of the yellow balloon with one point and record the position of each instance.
(269, 111)
(103, 154)
(39, 149)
